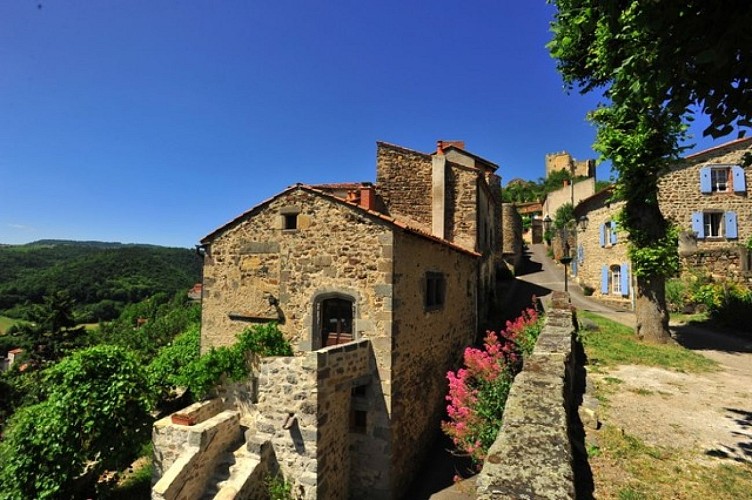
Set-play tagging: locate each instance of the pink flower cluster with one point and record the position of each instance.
(471, 430)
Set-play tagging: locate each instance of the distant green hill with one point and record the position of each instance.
(101, 277)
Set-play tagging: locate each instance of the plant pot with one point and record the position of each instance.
(183, 419)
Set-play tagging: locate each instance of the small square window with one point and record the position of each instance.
(291, 221)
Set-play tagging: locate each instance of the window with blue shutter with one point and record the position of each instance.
(740, 184)
(625, 279)
(581, 253)
(602, 228)
(731, 229)
(613, 232)
(574, 267)
(604, 280)
(705, 182)
(697, 225)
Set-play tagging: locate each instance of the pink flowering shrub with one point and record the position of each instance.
(478, 392)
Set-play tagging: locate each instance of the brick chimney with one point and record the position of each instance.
(367, 196)
(440, 145)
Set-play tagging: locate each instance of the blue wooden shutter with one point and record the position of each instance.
(603, 234)
(624, 279)
(613, 232)
(740, 185)
(574, 267)
(581, 253)
(705, 184)
(731, 230)
(697, 224)
(604, 280)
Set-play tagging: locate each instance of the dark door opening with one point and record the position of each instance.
(336, 321)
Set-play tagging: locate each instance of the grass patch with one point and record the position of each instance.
(683, 319)
(650, 472)
(5, 323)
(614, 344)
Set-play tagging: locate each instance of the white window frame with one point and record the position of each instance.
(713, 230)
(615, 277)
(718, 185)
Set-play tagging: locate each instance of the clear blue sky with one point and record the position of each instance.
(157, 121)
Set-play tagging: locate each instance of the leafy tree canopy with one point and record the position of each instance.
(654, 61)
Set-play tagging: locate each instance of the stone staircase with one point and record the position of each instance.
(239, 472)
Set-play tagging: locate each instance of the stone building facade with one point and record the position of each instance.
(600, 263)
(706, 195)
(511, 230)
(380, 288)
(572, 193)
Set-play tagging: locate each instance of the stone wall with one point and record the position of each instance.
(679, 193)
(511, 226)
(304, 410)
(334, 249)
(462, 206)
(564, 161)
(592, 256)
(570, 193)
(532, 455)
(728, 263)
(196, 449)
(426, 344)
(403, 178)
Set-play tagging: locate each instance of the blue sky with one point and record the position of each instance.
(158, 121)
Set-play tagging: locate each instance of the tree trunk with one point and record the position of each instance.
(651, 311)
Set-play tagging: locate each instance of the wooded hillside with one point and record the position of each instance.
(100, 277)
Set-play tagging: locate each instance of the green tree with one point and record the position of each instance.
(654, 62)
(52, 331)
(95, 416)
(563, 216)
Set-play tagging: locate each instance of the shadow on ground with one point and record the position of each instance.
(699, 337)
(743, 451)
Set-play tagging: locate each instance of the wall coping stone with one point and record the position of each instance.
(532, 455)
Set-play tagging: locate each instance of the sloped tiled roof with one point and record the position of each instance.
(398, 224)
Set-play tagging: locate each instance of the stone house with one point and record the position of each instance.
(706, 195)
(379, 288)
(600, 263)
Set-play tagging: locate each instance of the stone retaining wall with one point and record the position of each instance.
(532, 456)
(202, 446)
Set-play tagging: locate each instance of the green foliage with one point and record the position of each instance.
(653, 61)
(676, 295)
(264, 340)
(659, 257)
(149, 325)
(100, 278)
(277, 487)
(92, 396)
(521, 191)
(563, 216)
(165, 372)
(204, 374)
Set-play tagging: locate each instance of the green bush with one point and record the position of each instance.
(165, 372)
(94, 418)
(204, 374)
(676, 295)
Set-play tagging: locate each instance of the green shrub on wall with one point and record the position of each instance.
(204, 374)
